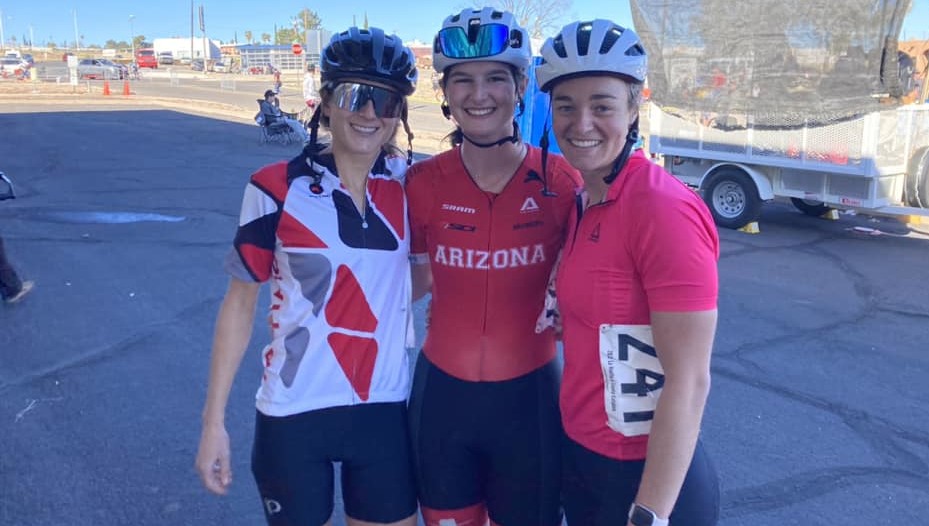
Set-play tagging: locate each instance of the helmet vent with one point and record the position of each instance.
(583, 38)
(558, 46)
(609, 39)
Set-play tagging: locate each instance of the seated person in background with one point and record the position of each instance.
(271, 113)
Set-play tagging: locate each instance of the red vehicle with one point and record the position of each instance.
(146, 58)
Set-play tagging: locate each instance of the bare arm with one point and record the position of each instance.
(422, 275)
(683, 341)
(230, 340)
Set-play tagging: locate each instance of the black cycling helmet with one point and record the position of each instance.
(369, 54)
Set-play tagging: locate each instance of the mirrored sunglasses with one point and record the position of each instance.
(488, 40)
(353, 97)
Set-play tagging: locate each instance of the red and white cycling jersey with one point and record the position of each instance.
(340, 284)
(650, 246)
(491, 257)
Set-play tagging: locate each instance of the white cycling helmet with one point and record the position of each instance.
(598, 46)
(481, 34)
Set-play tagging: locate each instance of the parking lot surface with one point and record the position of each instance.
(817, 414)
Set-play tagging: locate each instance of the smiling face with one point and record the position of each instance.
(482, 96)
(359, 132)
(591, 118)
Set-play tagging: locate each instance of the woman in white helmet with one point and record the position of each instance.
(486, 226)
(637, 292)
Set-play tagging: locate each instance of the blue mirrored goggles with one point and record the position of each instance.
(353, 97)
(485, 40)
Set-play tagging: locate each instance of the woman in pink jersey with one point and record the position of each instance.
(487, 222)
(637, 289)
(328, 231)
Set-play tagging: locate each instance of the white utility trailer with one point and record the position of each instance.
(802, 99)
(878, 162)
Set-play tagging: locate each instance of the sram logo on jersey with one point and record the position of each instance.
(458, 208)
(514, 257)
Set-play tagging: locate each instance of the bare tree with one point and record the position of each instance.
(540, 17)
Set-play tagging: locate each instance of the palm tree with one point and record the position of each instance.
(248, 36)
(266, 38)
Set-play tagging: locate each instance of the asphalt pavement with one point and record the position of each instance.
(817, 414)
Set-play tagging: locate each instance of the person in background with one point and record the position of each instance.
(637, 289)
(270, 112)
(12, 288)
(328, 231)
(276, 73)
(488, 218)
(310, 91)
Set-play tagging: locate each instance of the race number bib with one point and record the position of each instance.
(632, 377)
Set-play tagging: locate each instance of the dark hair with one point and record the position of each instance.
(269, 92)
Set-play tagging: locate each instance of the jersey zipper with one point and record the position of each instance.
(363, 214)
(579, 208)
(490, 206)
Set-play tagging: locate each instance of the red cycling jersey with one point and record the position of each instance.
(650, 246)
(491, 257)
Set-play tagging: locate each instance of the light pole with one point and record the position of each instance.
(132, 36)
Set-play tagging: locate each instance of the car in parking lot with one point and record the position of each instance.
(220, 66)
(197, 64)
(11, 66)
(166, 58)
(145, 58)
(123, 69)
(93, 68)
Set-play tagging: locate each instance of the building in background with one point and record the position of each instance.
(181, 48)
(257, 57)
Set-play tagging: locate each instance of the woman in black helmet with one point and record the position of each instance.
(328, 231)
(637, 287)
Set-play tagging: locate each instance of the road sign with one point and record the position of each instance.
(297, 49)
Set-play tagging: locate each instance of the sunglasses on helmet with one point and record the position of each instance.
(484, 40)
(353, 97)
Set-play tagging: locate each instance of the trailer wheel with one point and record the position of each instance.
(732, 198)
(810, 208)
(916, 186)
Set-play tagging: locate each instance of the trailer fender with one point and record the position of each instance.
(916, 185)
(762, 181)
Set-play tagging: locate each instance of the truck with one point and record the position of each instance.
(806, 100)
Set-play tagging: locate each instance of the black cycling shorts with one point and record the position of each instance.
(493, 443)
(292, 461)
(599, 490)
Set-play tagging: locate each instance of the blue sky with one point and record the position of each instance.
(100, 20)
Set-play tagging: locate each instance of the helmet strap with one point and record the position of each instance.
(514, 138)
(312, 148)
(632, 137)
(543, 143)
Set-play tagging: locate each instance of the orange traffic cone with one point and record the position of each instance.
(106, 87)
(126, 87)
